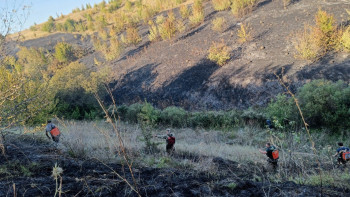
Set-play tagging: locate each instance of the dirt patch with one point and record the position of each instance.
(29, 166)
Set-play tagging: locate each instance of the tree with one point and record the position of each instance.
(22, 98)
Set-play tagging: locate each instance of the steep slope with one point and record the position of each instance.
(177, 72)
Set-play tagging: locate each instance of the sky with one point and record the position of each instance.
(38, 11)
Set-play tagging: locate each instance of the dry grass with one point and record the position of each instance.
(195, 150)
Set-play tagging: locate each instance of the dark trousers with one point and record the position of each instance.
(341, 160)
(170, 148)
(56, 139)
(273, 162)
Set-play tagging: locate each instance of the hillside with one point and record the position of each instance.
(178, 72)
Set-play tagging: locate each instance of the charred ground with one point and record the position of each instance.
(29, 165)
(177, 72)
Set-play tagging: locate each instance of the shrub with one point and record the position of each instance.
(148, 118)
(64, 52)
(325, 103)
(147, 13)
(345, 39)
(49, 26)
(103, 33)
(76, 10)
(128, 5)
(219, 24)
(88, 6)
(242, 7)
(114, 50)
(325, 30)
(219, 53)
(148, 115)
(174, 117)
(168, 28)
(132, 36)
(132, 112)
(80, 26)
(180, 26)
(33, 28)
(244, 33)
(119, 23)
(69, 25)
(282, 108)
(184, 11)
(160, 19)
(101, 22)
(220, 5)
(197, 16)
(306, 44)
(315, 41)
(153, 32)
(114, 5)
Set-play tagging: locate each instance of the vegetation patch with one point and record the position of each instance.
(221, 5)
(219, 53)
(219, 24)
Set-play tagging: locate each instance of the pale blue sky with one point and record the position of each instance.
(40, 10)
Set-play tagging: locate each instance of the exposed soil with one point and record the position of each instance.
(92, 178)
(177, 72)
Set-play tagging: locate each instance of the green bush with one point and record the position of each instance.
(326, 104)
(64, 52)
(282, 108)
(323, 103)
(77, 105)
(69, 25)
(219, 53)
(174, 117)
(148, 115)
(132, 112)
